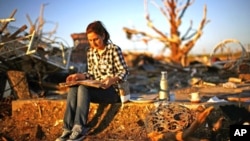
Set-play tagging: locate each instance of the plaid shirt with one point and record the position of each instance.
(110, 63)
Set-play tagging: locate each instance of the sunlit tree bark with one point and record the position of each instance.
(179, 43)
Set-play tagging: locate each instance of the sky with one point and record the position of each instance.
(229, 19)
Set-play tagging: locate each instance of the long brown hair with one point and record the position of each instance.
(98, 28)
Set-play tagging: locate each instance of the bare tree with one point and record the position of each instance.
(178, 43)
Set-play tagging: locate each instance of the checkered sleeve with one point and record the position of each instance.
(120, 64)
(89, 73)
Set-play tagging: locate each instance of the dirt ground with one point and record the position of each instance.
(45, 124)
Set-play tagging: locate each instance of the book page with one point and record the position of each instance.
(88, 82)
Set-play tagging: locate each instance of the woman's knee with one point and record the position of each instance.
(82, 88)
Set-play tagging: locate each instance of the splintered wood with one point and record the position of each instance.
(19, 84)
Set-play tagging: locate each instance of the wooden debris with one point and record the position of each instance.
(217, 125)
(19, 83)
(6, 23)
(235, 80)
(245, 77)
(239, 99)
(220, 90)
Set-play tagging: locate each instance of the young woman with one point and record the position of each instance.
(105, 63)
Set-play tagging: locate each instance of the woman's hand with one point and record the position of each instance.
(108, 81)
(75, 77)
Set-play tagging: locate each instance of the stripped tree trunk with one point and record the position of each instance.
(179, 44)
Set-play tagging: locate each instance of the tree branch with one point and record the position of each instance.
(130, 32)
(184, 8)
(151, 25)
(188, 46)
(184, 37)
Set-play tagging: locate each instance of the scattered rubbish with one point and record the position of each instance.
(216, 99)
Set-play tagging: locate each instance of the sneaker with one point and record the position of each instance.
(78, 134)
(65, 135)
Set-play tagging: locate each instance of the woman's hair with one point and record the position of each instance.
(98, 28)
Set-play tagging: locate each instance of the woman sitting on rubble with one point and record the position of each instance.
(105, 62)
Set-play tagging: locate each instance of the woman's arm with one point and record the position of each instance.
(120, 64)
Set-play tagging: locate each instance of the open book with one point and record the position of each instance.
(88, 82)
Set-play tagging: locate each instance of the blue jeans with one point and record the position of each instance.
(78, 102)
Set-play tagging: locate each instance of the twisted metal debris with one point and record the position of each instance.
(33, 52)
